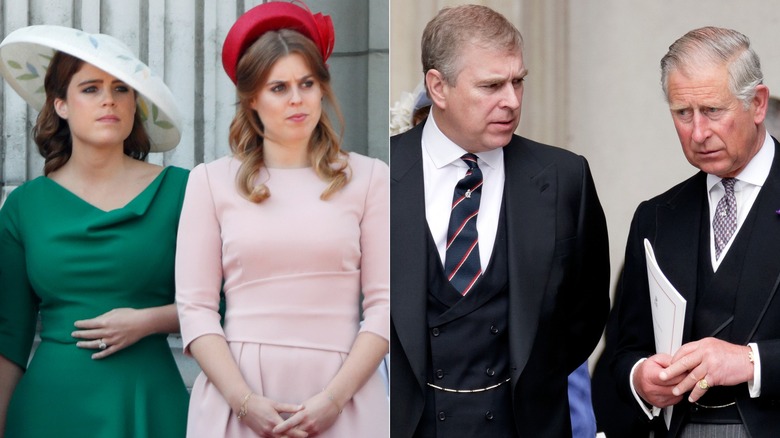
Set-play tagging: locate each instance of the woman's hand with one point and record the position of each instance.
(263, 415)
(112, 331)
(317, 415)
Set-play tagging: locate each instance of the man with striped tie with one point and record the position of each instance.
(499, 255)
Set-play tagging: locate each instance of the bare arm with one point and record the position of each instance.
(10, 373)
(216, 361)
(320, 411)
(367, 352)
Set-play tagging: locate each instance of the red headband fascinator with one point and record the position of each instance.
(275, 15)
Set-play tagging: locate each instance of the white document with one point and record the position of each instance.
(668, 312)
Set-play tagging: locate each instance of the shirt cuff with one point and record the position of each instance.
(650, 412)
(755, 385)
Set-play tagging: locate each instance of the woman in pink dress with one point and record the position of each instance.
(295, 232)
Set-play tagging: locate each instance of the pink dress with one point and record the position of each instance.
(294, 268)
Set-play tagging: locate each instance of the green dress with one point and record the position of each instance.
(70, 260)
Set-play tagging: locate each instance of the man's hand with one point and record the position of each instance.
(717, 362)
(649, 384)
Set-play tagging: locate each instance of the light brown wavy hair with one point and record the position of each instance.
(52, 133)
(246, 131)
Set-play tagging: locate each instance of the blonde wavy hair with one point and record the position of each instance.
(246, 131)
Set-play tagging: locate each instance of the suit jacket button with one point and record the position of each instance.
(435, 331)
(442, 416)
(493, 329)
(439, 374)
(488, 415)
(490, 372)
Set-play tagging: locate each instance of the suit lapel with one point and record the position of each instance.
(676, 244)
(408, 267)
(530, 193)
(757, 285)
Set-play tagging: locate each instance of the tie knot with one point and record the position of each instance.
(470, 160)
(728, 184)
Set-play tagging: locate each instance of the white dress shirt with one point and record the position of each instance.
(442, 169)
(746, 188)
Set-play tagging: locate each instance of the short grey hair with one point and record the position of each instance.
(716, 46)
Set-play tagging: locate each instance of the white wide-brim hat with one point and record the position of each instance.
(25, 55)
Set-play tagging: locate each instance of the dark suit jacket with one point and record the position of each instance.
(558, 280)
(615, 416)
(672, 223)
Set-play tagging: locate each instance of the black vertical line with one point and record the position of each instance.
(76, 19)
(143, 31)
(28, 151)
(103, 16)
(199, 115)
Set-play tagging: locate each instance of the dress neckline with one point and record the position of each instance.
(152, 184)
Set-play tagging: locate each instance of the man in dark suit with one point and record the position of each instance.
(499, 255)
(716, 237)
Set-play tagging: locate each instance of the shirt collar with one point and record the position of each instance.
(443, 151)
(757, 170)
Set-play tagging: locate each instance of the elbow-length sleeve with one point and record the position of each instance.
(18, 303)
(375, 253)
(198, 261)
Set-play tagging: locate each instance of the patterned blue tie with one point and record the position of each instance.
(462, 265)
(724, 223)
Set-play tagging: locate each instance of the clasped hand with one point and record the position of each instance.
(661, 380)
(309, 419)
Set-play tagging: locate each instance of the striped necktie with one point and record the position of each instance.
(462, 265)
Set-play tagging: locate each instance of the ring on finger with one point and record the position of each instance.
(703, 384)
(102, 345)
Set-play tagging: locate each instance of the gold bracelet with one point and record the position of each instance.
(332, 399)
(242, 412)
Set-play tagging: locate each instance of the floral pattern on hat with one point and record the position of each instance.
(26, 53)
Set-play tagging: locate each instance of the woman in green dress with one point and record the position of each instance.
(90, 246)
